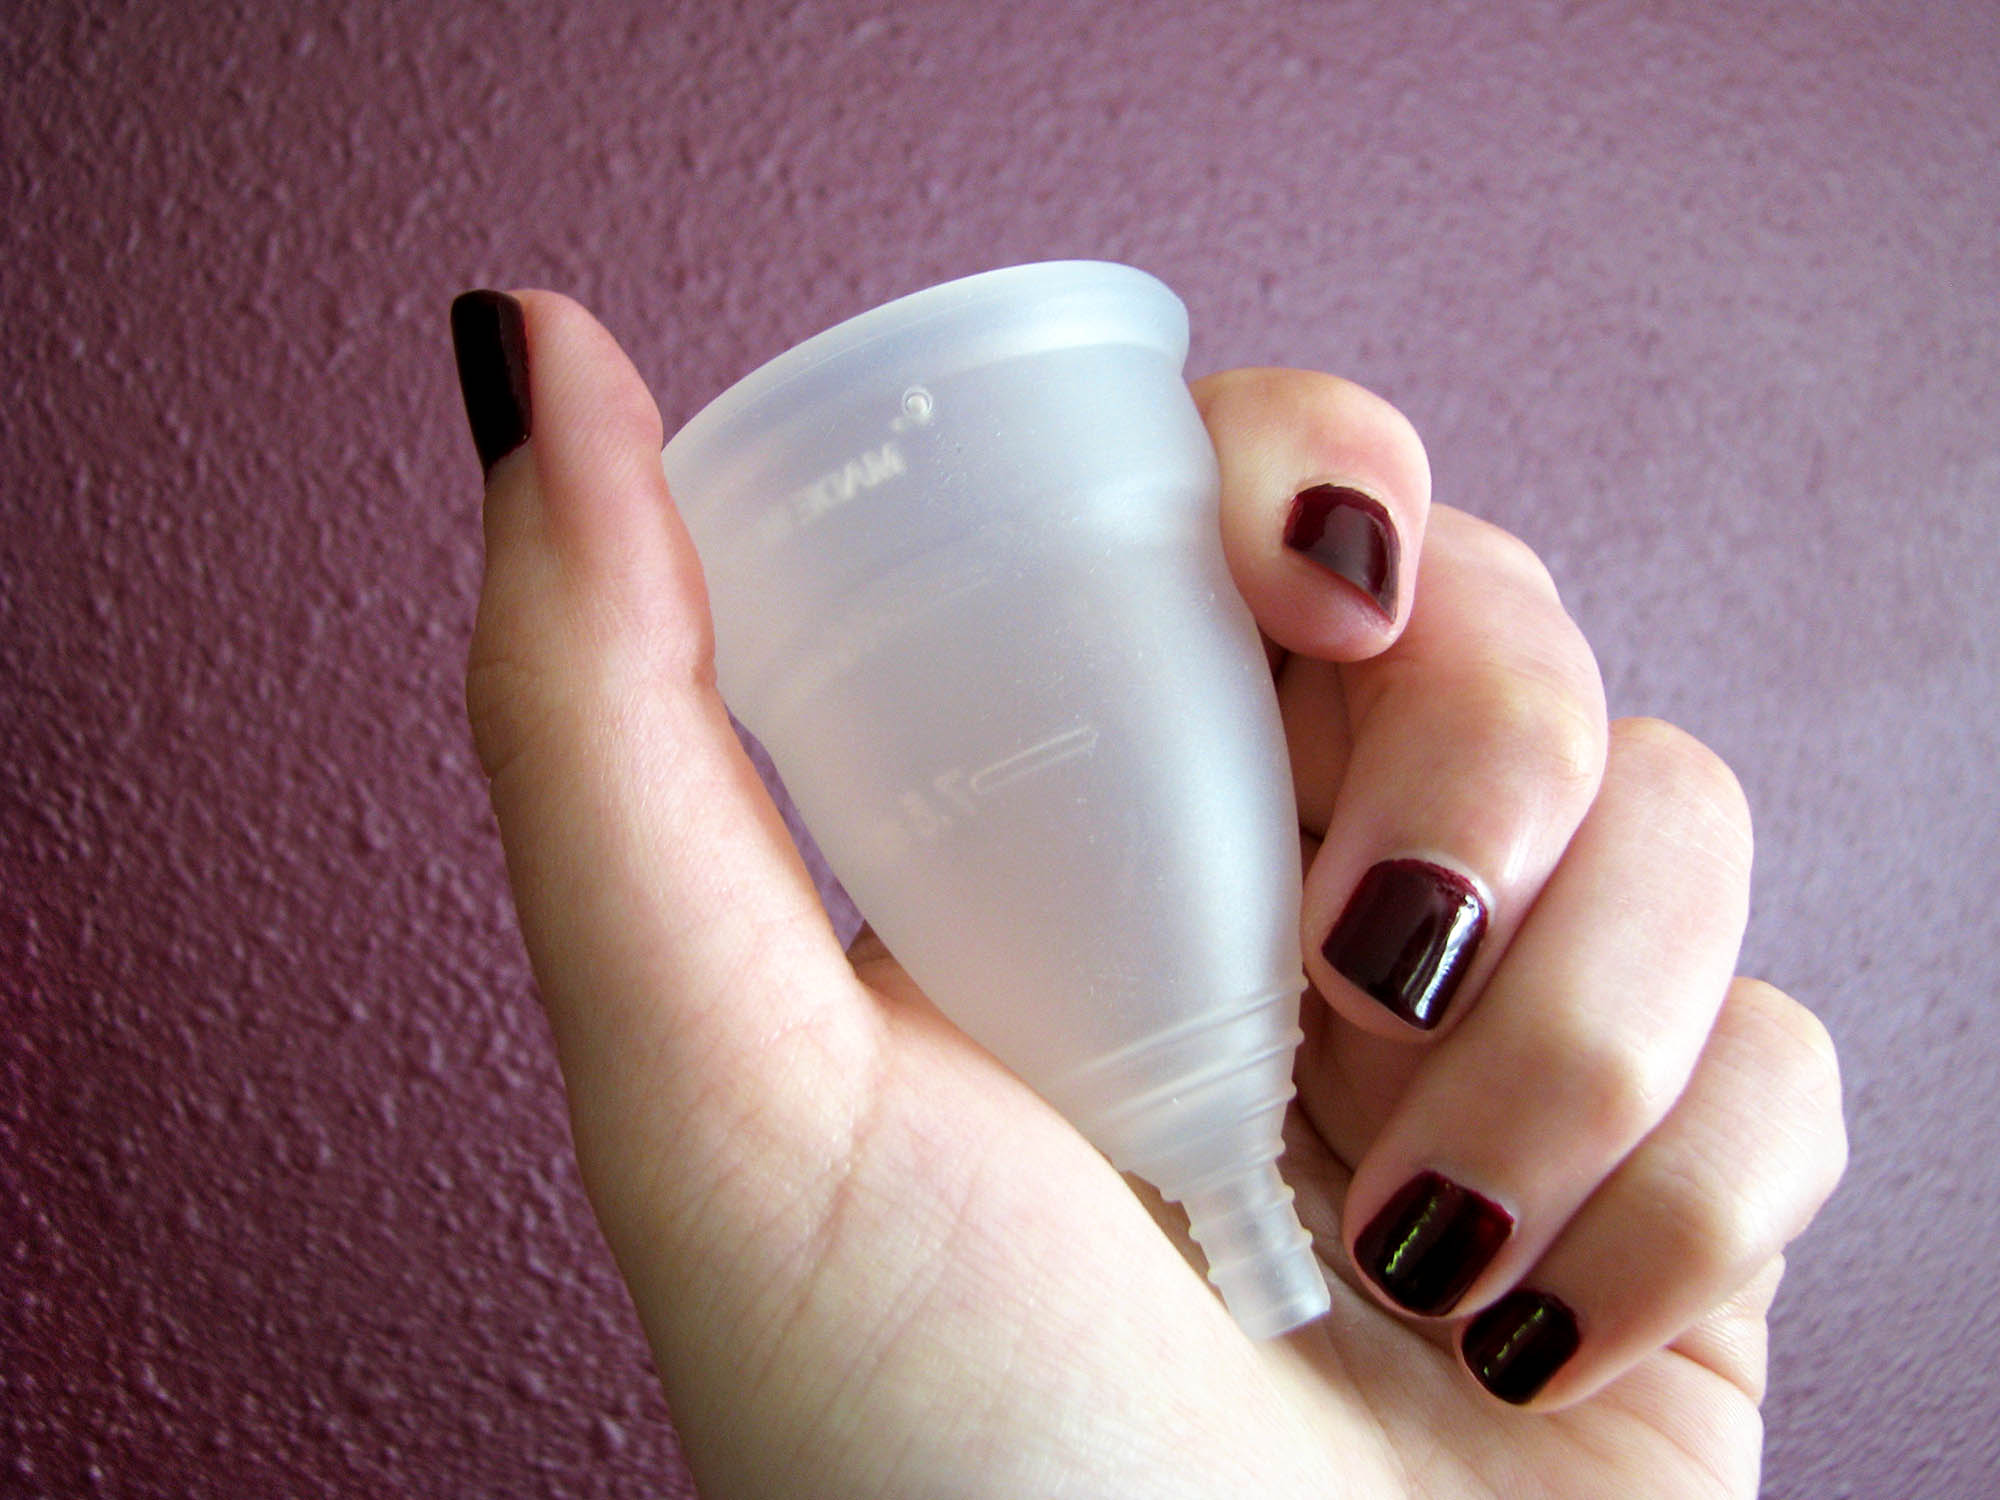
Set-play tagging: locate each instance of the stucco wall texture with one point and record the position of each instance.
(1703, 299)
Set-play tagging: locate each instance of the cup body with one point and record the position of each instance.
(965, 568)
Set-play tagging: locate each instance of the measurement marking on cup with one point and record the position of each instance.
(1052, 751)
(953, 796)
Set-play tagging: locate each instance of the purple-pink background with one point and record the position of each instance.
(1704, 299)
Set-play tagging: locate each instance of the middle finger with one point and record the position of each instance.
(1453, 770)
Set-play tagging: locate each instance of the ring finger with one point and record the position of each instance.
(1685, 1221)
(1587, 1034)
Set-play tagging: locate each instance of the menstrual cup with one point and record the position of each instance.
(968, 587)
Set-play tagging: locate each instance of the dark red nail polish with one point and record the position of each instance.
(1408, 935)
(1349, 534)
(490, 338)
(1430, 1242)
(1518, 1343)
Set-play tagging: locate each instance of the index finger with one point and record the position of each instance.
(1326, 491)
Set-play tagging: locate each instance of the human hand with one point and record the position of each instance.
(870, 1261)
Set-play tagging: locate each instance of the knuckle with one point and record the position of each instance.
(1570, 741)
(1725, 1212)
(1504, 559)
(510, 706)
(1542, 727)
(1799, 1040)
(1323, 418)
(1509, 555)
(1798, 1069)
(1694, 789)
(1614, 1088)
(1712, 1224)
(1256, 397)
(1722, 1210)
(1332, 410)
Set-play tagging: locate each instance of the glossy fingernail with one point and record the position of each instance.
(1430, 1242)
(490, 338)
(1408, 936)
(1518, 1343)
(1349, 534)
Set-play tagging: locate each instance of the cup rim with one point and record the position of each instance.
(1034, 281)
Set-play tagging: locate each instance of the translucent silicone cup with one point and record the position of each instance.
(963, 558)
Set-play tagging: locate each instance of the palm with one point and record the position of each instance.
(1030, 1246)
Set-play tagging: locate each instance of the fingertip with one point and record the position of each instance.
(1408, 934)
(489, 345)
(592, 406)
(1517, 1346)
(586, 559)
(1325, 492)
(1350, 534)
(599, 494)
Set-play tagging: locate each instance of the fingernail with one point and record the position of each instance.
(1518, 1343)
(1430, 1242)
(1349, 534)
(1408, 936)
(491, 341)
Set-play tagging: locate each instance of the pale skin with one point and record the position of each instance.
(870, 1262)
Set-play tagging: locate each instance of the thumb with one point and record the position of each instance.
(712, 1035)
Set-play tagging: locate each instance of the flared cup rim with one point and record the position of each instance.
(1128, 305)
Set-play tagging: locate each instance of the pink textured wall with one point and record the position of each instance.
(1703, 298)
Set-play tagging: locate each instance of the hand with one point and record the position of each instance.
(871, 1262)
